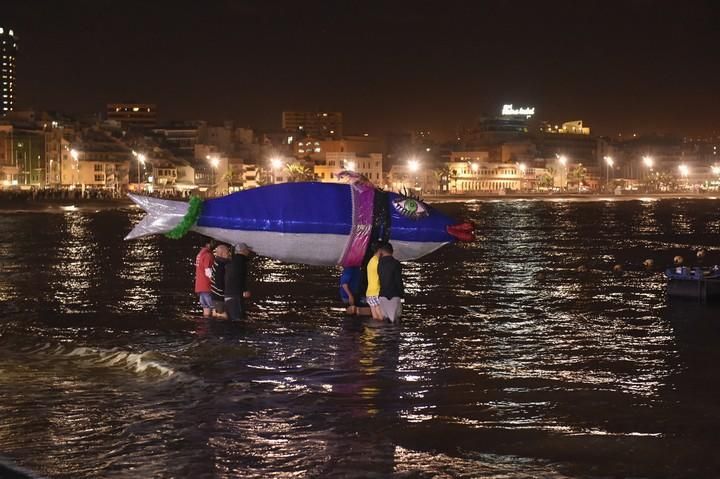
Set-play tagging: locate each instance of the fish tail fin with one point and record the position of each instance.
(162, 216)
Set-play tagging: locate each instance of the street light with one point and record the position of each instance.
(414, 167)
(649, 163)
(75, 155)
(474, 166)
(214, 163)
(684, 170)
(609, 162)
(275, 163)
(563, 161)
(523, 169)
(350, 165)
(140, 159)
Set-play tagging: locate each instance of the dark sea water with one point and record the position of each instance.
(107, 370)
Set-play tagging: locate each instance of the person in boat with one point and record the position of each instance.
(203, 272)
(236, 290)
(217, 279)
(372, 294)
(392, 289)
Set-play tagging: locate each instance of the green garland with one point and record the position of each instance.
(188, 220)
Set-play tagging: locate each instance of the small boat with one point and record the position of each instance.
(693, 283)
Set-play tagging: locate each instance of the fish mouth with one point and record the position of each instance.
(464, 231)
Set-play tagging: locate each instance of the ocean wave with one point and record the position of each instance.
(147, 363)
(142, 363)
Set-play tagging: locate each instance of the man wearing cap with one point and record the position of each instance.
(236, 283)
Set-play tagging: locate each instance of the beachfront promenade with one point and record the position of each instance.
(42, 199)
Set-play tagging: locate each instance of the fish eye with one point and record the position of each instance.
(410, 208)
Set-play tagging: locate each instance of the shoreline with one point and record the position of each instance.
(450, 198)
(50, 204)
(60, 204)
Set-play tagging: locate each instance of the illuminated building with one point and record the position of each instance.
(8, 167)
(315, 124)
(471, 171)
(141, 115)
(96, 161)
(573, 140)
(316, 148)
(413, 178)
(568, 128)
(368, 165)
(178, 138)
(8, 51)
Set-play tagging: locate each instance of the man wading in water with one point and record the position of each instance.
(217, 281)
(236, 283)
(391, 284)
(203, 272)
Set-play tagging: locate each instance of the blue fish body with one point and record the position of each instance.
(318, 223)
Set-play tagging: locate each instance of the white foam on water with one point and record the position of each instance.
(140, 363)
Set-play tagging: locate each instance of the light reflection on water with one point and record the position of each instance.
(106, 370)
(75, 268)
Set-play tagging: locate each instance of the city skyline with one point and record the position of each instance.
(637, 66)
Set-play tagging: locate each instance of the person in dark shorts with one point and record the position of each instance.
(392, 289)
(217, 280)
(236, 283)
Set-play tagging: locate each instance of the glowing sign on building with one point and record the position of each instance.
(509, 110)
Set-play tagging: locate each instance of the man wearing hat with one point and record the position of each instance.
(236, 282)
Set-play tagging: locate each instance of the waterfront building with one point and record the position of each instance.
(165, 174)
(471, 171)
(179, 138)
(8, 167)
(57, 152)
(519, 150)
(577, 146)
(315, 124)
(567, 128)
(27, 150)
(316, 148)
(96, 161)
(254, 176)
(138, 115)
(368, 165)
(32, 156)
(495, 130)
(665, 153)
(212, 168)
(8, 52)
(417, 180)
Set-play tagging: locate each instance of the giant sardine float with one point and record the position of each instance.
(310, 223)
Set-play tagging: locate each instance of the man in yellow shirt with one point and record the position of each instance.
(373, 289)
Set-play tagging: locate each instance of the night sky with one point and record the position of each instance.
(628, 66)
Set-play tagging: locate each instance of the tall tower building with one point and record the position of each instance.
(8, 50)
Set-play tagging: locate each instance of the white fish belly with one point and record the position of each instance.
(410, 250)
(307, 248)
